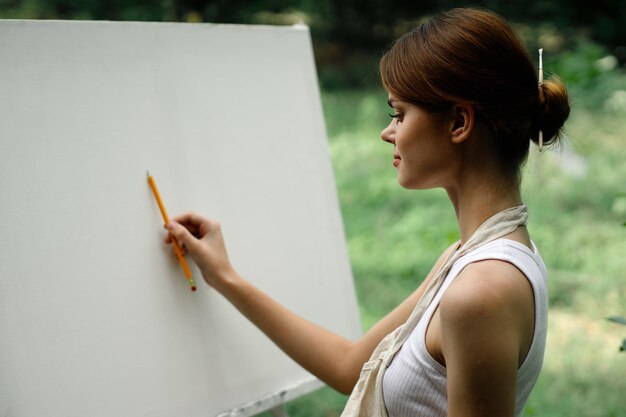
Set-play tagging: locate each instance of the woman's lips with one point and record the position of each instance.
(396, 160)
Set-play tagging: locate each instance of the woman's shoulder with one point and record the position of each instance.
(491, 294)
(487, 282)
(490, 277)
(490, 297)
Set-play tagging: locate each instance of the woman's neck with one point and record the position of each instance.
(478, 196)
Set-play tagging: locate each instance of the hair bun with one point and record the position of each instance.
(552, 111)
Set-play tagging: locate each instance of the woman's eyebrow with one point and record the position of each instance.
(390, 102)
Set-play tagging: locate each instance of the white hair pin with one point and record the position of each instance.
(540, 82)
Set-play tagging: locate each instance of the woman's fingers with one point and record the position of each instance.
(185, 238)
(191, 221)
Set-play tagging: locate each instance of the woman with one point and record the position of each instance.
(466, 102)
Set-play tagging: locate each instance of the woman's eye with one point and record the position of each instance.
(397, 116)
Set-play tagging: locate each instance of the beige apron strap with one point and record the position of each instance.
(366, 399)
(495, 227)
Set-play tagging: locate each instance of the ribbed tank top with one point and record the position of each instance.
(415, 384)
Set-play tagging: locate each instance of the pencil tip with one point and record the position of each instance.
(148, 173)
(193, 288)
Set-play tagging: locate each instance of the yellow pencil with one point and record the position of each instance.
(177, 250)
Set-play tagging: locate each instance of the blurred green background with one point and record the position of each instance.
(576, 194)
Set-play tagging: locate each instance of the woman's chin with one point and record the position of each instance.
(407, 183)
(414, 184)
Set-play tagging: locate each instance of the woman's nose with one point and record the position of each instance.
(386, 134)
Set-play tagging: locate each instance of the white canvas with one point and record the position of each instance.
(96, 318)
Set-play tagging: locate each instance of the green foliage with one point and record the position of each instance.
(366, 25)
(578, 66)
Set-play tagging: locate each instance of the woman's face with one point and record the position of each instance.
(423, 152)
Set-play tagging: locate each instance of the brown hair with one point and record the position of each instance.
(473, 55)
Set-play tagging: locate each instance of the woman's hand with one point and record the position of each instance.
(202, 239)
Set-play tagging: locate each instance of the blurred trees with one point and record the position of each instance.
(360, 22)
(349, 35)
(345, 20)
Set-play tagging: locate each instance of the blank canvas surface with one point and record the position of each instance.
(96, 318)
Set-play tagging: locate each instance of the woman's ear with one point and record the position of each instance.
(462, 122)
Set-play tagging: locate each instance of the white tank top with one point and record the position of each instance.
(415, 384)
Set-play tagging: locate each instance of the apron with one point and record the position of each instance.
(366, 399)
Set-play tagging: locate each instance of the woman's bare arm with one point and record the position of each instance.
(334, 359)
(486, 329)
